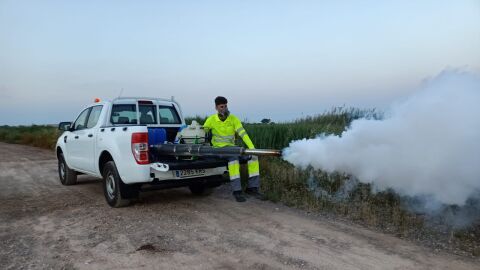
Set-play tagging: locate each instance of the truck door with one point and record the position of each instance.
(87, 141)
(73, 145)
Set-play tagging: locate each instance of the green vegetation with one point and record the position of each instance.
(278, 136)
(39, 136)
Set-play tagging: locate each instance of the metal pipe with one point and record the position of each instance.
(263, 152)
(205, 150)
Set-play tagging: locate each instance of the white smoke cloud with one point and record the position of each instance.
(427, 145)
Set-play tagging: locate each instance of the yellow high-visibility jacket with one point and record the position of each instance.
(223, 132)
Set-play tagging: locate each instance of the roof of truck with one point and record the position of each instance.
(144, 98)
(156, 100)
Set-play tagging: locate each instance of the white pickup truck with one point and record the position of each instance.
(111, 140)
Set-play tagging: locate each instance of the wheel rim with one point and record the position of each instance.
(110, 185)
(62, 170)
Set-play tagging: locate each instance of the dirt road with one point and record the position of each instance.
(46, 225)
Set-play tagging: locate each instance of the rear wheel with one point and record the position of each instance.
(203, 188)
(117, 193)
(208, 185)
(200, 190)
(67, 176)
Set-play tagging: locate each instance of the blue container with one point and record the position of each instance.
(156, 136)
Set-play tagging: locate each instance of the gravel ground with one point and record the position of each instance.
(44, 225)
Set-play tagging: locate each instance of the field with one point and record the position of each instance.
(38, 136)
(332, 195)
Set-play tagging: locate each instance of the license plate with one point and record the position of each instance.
(189, 173)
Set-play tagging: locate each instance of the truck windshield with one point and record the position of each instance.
(124, 114)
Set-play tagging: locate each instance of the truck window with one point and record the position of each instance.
(94, 115)
(124, 114)
(148, 114)
(168, 115)
(81, 119)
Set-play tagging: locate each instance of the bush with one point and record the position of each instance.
(39, 136)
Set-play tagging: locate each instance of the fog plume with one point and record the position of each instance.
(427, 145)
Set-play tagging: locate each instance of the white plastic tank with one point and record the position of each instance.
(191, 134)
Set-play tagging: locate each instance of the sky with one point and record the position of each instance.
(272, 59)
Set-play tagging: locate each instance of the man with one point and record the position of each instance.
(224, 126)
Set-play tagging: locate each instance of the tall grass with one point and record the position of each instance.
(36, 135)
(279, 135)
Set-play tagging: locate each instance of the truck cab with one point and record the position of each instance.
(112, 140)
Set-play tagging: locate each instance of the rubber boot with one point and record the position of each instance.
(238, 196)
(253, 191)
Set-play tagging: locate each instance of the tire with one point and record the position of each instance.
(200, 189)
(117, 193)
(67, 176)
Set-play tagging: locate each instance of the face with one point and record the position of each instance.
(221, 108)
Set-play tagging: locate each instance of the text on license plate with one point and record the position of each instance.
(189, 172)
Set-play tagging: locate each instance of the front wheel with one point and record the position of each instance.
(67, 176)
(117, 193)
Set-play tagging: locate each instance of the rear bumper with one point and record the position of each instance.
(187, 169)
(208, 181)
(196, 164)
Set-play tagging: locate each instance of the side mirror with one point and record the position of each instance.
(64, 126)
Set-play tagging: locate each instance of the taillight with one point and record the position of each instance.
(140, 147)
